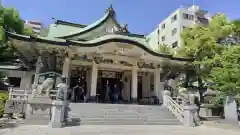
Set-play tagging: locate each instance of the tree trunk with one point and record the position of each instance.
(200, 88)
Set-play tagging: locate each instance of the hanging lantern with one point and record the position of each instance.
(84, 57)
(97, 59)
(141, 64)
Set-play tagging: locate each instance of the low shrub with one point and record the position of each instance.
(3, 99)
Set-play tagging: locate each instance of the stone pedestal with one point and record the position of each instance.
(230, 110)
(13, 107)
(190, 115)
(166, 94)
(39, 110)
(58, 114)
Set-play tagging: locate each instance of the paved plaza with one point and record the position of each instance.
(118, 130)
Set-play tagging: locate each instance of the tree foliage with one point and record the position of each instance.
(226, 75)
(10, 21)
(201, 42)
(164, 49)
(28, 31)
(216, 52)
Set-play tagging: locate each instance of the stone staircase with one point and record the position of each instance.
(121, 114)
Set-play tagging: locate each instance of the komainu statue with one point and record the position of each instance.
(44, 88)
(184, 95)
(62, 89)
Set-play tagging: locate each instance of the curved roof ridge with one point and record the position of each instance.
(62, 22)
(97, 42)
(109, 36)
(90, 27)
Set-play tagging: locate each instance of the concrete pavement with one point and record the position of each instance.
(118, 130)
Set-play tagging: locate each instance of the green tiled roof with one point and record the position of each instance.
(68, 30)
(140, 42)
(115, 36)
(89, 27)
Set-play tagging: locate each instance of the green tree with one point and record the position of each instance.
(9, 21)
(28, 31)
(226, 75)
(237, 25)
(164, 49)
(201, 42)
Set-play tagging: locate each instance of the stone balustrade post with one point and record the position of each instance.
(58, 114)
(190, 115)
(10, 90)
(166, 94)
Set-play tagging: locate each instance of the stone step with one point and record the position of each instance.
(122, 115)
(115, 114)
(129, 119)
(128, 123)
(147, 117)
(117, 109)
(36, 121)
(116, 106)
(159, 115)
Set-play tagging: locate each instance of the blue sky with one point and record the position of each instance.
(142, 16)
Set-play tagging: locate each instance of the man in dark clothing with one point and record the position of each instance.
(115, 94)
(78, 91)
(238, 112)
(198, 104)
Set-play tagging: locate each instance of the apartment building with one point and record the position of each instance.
(35, 25)
(169, 30)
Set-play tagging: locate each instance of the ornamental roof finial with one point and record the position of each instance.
(125, 28)
(110, 10)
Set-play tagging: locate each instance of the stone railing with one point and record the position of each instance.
(187, 114)
(16, 104)
(175, 108)
(17, 94)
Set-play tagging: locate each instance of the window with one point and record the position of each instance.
(188, 17)
(163, 38)
(15, 81)
(174, 31)
(174, 18)
(163, 26)
(175, 44)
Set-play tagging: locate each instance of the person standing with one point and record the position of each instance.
(107, 92)
(238, 112)
(115, 94)
(76, 90)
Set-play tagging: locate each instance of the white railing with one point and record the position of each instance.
(175, 108)
(17, 94)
